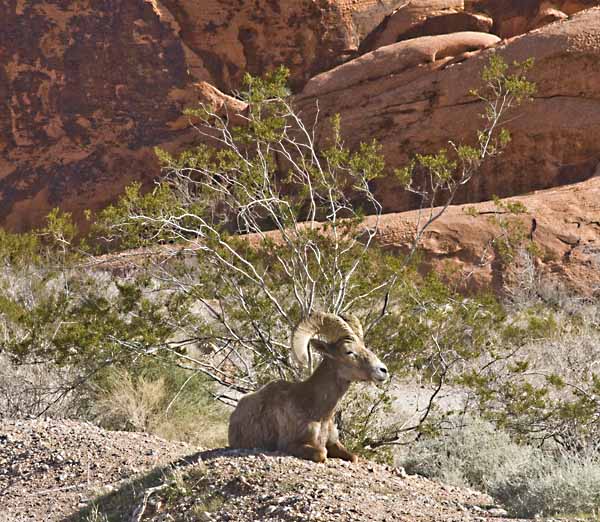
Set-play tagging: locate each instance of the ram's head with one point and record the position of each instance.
(341, 340)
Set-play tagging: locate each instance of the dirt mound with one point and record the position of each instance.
(247, 486)
(50, 469)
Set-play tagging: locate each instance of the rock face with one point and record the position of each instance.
(418, 109)
(234, 37)
(87, 89)
(562, 223)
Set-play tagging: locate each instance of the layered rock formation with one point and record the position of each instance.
(505, 18)
(420, 107)
(560, 226)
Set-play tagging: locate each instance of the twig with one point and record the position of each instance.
(138, 513)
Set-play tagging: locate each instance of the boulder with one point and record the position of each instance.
(449, 23)
(397, 58)
(420, 18)
(226, 107)
(421, 107)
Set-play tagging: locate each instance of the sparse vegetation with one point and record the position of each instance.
(169, 402)
(204, 312)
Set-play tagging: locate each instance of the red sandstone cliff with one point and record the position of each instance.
(89, 88)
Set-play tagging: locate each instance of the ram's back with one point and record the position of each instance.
(263, 419)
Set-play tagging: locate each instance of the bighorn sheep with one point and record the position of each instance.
(297, 418)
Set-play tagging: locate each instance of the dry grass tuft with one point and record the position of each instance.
(162, 406)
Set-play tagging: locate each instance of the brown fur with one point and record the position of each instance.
(297, 418)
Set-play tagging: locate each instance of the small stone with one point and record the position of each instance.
(400, 472)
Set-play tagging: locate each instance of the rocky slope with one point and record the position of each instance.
(54, 471)
(50, 469)
(243, 486)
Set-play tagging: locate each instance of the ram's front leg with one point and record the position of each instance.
(308, 446)
(308, 452)
(335, 449)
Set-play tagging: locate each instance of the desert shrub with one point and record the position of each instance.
(568, 484)
(526, 480)
(34, 389)
(476, 454)
(540, 378)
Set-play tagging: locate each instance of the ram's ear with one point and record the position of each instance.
(322, 347)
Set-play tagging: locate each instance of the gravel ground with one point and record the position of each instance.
(51, 468)
(242, 486)
(51, 471)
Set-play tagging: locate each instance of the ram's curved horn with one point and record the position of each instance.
(329, 326)
(354, 323)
